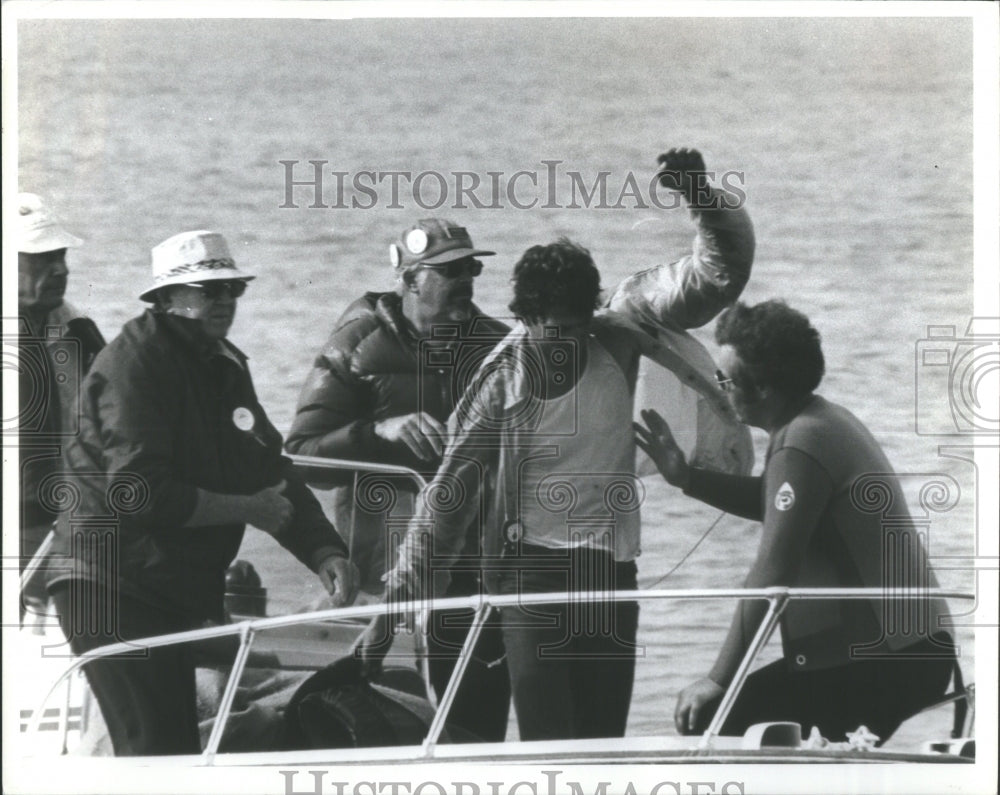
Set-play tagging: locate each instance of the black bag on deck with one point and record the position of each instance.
(338, 708)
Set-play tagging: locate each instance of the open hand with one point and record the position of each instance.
(658, 443)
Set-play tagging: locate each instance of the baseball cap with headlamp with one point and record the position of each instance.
(431, 242)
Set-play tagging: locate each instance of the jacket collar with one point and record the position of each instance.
(389, 309)
(188, 334)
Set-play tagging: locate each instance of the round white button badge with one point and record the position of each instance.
(243, 418)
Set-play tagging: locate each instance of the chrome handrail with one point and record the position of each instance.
(775, 607)
(358, 467)
(250, 629)
(229, 694)
(350, 464)
(36, 560)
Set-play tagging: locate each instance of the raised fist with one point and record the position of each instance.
(682, 170)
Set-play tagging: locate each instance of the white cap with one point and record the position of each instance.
(38, 228)
(192, 257)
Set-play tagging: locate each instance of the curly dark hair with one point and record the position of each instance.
(776, 343)
(558, 277)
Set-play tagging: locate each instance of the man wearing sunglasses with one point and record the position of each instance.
(176, 456)
(381, 390)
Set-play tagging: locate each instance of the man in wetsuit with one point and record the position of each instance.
(848, 662)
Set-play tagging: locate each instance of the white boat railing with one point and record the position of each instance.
(359, 468)
(777, 598)
(364, 468)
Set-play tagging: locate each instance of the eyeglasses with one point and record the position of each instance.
(456, 268)
(213, 290)
(726, 384)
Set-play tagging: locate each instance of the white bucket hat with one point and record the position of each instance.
(192, 257)
(38, 228)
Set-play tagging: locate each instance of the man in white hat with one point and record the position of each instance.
(174, 441)
(381, 390)
(56, 345)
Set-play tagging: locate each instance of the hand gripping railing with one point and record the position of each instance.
(777, 598)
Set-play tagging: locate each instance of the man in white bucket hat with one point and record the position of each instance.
(175, 442)
(56, 345)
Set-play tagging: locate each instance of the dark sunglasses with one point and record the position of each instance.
(726, 384)
(213, 290)
(456, 268)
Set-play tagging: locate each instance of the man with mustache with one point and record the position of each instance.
(381, 390)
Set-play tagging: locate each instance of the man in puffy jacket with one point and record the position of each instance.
(381, 390)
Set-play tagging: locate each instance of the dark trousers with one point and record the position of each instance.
(482, 704)
(572, 665)
(879, 693)
(147, 698)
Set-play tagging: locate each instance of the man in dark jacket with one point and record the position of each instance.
(381, 390)
(56, 346)
(174, 457)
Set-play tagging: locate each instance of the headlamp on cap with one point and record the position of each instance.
(433, 241)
